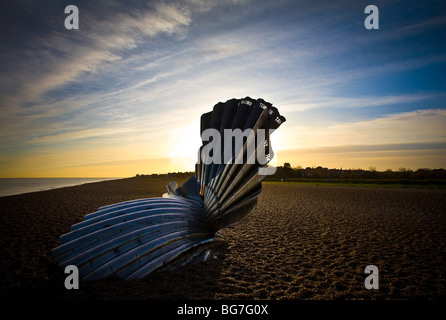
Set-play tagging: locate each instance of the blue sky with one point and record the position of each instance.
(123, 94)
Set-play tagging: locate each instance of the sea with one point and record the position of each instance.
(13, 186)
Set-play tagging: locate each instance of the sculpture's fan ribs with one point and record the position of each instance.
(134, 238)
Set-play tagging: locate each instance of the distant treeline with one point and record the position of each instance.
(286, 172)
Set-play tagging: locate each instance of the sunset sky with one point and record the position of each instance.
(124, 93)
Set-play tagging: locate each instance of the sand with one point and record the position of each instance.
(301, 242)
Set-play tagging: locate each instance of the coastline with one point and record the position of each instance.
(15, 186)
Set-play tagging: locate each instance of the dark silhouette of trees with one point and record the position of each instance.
(402, 175)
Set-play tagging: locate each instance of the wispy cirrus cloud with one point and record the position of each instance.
(327, 102)
(421, 126)
(58, 57)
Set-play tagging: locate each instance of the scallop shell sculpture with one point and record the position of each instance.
(134, 238)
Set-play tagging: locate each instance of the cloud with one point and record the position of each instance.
(50, 61)
(38, 105)
(312, 101)
(417, 127)
(125, 30)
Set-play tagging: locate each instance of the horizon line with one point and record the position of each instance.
(191, 172)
